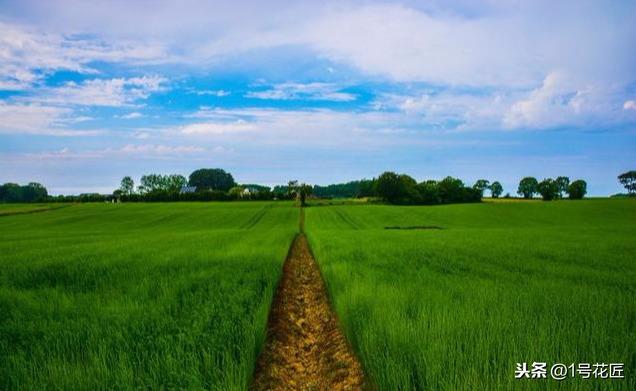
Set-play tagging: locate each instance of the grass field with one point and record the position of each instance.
(123, 296)
(500, 283)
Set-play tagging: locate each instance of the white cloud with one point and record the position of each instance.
(101, 92)
(202, 128)
(129, 150)
(25, 52)
(443, 42)
(159, 149)
(133, 115)
(449, 110)
(217, 93)
(309, 91)
(38, 119)
(562, 100)
(307, 127)
(629, 105)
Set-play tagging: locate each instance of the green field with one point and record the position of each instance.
(15, 209)
(500, 283)
(122, 296)
(176, 295)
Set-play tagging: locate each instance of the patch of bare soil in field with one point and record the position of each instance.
(305, 350)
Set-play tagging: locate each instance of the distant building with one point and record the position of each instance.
(249, 191)
(188, 189)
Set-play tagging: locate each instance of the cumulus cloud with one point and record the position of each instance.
(629, 105)
(449, 110)
(299, 91)
(563, 100)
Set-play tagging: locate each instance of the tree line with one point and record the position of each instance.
(215, 184)
(403, 189)
(552, 189)
(205, 184)
(32, 192)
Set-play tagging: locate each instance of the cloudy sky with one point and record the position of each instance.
(322, 92)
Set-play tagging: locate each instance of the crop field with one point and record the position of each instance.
(15, 209)
(452, 297)
(177, 295)
(123, 296)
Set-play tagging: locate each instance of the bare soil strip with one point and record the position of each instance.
(305, 350)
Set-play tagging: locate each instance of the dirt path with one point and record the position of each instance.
(305, 350)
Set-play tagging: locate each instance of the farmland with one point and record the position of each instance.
(177, 295)
(121, 296)
(499, 283)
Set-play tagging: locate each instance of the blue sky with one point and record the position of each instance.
(323, 92)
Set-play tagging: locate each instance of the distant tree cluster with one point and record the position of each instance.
(402, 189)
(33, 192)
(299, 191)
(495, 188)
(628, 180)
(211, 179)
(206, 184)
(353, 189)
(552, 189)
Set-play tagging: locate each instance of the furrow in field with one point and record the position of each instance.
(346, 219)
(305, 349)
(255, 218)
(30, 211)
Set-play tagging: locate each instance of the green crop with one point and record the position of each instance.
(499, 284)
(122, 296)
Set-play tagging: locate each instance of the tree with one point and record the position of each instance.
(549, 189)
(304, 191)
(174, 182)
(397, 189)
(10, 192)
(33, 192)
(451, 190)
(151, 183)
(577, 189)
(527, 187)
(236, 192)
(127, 186)
(429, 192)
(481, 185)
(563, 183)
(299, 190)
(292, 187)
(628, 179)
(211, 179)
(388, 186)
(495, 189)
